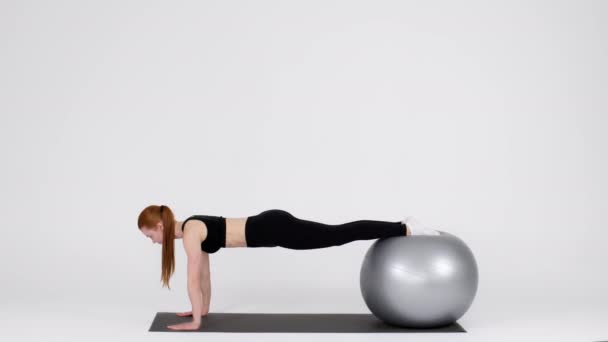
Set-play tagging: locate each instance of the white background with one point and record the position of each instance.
(484, 119)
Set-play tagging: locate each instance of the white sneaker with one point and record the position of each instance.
(417, 228)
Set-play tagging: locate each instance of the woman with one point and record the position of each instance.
(205, 234)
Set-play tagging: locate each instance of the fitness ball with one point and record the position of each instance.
(419, 281)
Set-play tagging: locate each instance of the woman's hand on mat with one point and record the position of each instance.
(194, 325)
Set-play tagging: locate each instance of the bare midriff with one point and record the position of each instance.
(235, 232)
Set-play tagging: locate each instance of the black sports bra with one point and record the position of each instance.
(216, 232)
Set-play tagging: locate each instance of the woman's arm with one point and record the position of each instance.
(205, 282)
(192, 243)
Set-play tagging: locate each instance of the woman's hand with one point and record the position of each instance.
(188, 313)
(194, 325)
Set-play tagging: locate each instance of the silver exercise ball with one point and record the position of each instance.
(419, 281)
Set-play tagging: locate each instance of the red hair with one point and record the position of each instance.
(150, 217)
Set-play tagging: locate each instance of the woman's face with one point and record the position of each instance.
(156, 235)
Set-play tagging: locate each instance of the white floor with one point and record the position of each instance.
(81, 322)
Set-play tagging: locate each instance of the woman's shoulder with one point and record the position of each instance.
(193, 228)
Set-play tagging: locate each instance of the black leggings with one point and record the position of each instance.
(276, 227)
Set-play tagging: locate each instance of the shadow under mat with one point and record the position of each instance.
(290, 323)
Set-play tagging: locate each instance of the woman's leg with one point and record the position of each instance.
(291, 232)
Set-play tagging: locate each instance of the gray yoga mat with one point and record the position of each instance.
(290, 323)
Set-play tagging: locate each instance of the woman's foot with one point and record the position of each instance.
(414, 227)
